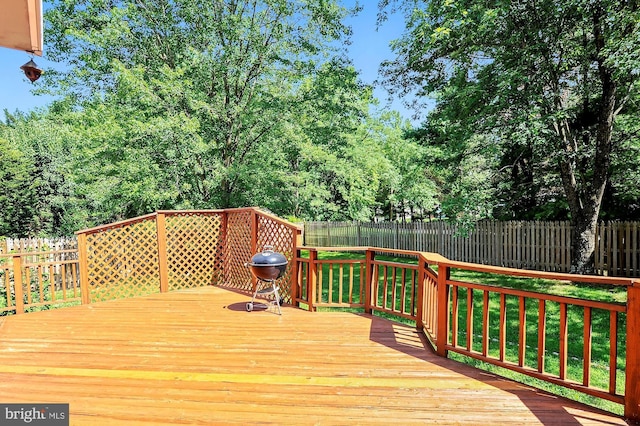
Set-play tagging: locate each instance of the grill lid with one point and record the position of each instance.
(268, 257)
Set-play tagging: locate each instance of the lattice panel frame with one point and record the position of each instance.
(195, 248)
(123, 261)
(237, 250)
(281, 237)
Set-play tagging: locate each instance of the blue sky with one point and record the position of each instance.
(369, 48)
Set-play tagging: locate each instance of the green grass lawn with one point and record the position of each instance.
(575, 316)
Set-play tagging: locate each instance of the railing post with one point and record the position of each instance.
(254, 231)
(223, 247)
(297, 242)
(369, 277)
(442, 335)
(632, 381)
(163, 268)
(312, 278)
(254, 244)
(84, 269)
(17, 284)
(420, 296)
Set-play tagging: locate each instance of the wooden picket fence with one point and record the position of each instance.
(24, 245)
(543, 246)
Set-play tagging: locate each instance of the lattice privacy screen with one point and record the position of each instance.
(200, 247)
(195, 244)
(123, 261)
(281, 237)
(238, 250)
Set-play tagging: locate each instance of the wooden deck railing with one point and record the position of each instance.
(38, 280)
(508, 327)
(158, 252)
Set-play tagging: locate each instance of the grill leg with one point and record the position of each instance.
(277, 295)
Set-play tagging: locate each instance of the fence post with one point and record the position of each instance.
(312, 278)
(17, 284)
(632, 381)
(442, 335)
(163, 268)
(84, 269)
(369, 277)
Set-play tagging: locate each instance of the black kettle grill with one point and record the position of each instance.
(267, 266)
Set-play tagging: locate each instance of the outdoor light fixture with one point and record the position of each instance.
(31, 70)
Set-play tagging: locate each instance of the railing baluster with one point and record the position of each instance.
(40, 283)
(485, 323)
(412, 305)
(454, 315)
(340, 282)
(586, 353)
(522, 330)
(63, 280)
(394, 285)
(385, 286)
(52, 283)
(403, 292)
(563, 341)
(542, 334)
(469, 318)
(27, 279)
(363, 287)
(503, 326)
(351, 275)
(320, 284)
(330, 283)
(613, 351)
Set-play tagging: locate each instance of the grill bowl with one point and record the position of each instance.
(268, 265)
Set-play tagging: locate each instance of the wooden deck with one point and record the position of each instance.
(197, 357)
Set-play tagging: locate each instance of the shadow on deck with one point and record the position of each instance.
(197, 356)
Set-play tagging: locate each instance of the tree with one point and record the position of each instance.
(192, 90)
(37, 196)
(548, 79)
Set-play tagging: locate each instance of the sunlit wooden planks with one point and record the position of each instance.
(197, 356)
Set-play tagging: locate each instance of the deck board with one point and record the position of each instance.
(197, 357)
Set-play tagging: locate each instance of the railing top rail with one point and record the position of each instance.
(193, 211)
(37, 253)
(432, 258)
(595, 279)
(120, 224)
(352, 248)
(115, 225)
(294, 226)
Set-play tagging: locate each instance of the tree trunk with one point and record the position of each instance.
(585, 194)
(583, 243)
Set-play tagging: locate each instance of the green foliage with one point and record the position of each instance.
(195, 104)
(15, 200)
(541, 91)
